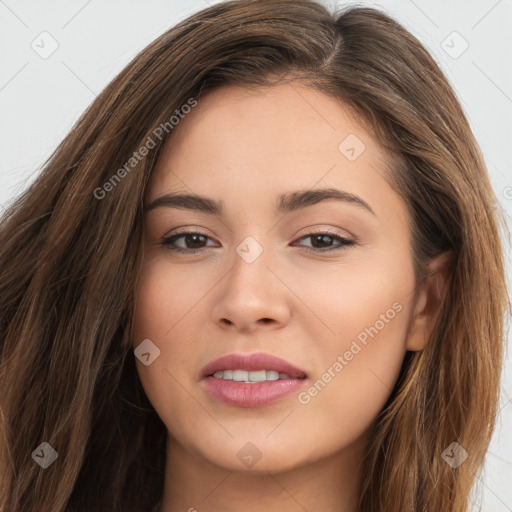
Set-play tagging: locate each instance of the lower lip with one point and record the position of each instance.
(242, 394)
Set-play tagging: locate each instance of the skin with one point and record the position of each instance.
(244, 148)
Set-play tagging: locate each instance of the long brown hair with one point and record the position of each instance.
(71, 249)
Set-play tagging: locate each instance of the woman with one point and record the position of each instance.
(263, 270)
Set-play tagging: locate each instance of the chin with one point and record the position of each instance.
(251, 454)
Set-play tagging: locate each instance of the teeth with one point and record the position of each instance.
(240, 375)
(250, 376)
(256, 376)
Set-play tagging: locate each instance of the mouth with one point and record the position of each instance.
(258, 367)
(251, 380)
(252, 377)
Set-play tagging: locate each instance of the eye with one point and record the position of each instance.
(321, 240)
(194, 238)
(194, 242)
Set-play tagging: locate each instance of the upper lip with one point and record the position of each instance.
(251, 362)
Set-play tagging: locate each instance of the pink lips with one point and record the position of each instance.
(243, 394)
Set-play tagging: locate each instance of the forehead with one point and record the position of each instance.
(249, 143)
(264, 122)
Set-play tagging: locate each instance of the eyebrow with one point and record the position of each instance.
(286, 203)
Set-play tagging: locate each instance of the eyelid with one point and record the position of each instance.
(325, 231)
(187, 230)
(343, 241)
(307, 231)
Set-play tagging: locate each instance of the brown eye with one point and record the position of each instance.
(321, 242)
(194, 242)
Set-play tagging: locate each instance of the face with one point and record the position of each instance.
(320, 280)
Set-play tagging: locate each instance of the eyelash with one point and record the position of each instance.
(168, 241)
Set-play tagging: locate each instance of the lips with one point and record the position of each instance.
(252, 362)
(238, 393)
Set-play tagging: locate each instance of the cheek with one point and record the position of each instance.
(159, 307)
(165, 297)
(360, 356)
(356, 380)
(168, 301)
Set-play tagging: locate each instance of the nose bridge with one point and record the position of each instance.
(251, 291)
(250, 250)
(250, 267)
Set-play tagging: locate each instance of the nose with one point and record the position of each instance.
(251, 297)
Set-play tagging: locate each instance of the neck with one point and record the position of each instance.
(329, 484)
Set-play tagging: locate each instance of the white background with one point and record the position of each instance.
(40, 100)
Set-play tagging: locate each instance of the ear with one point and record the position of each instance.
(429, 303)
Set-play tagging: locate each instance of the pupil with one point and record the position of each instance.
(196, 241)
(319, 237)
